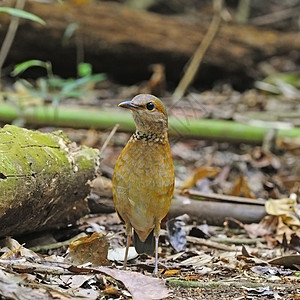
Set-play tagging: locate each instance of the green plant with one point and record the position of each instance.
(22, 14)
(16, 13)
(54, 88)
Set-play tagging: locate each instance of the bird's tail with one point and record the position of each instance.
(146, 247)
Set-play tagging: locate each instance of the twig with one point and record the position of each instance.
(216, 284)
(211, 244)
(108, 139)
(243, 9)
(56, 245)
(199, 53)
(204, 242)
(194, 194)
(10, 35)
(237, 241)
(275, 16)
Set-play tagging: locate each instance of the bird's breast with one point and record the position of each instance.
(143, 183)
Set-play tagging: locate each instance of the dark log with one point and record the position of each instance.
(210, 212)
(123, 43)
(216, 212)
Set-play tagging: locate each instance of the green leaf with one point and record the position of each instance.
(22, 14)
(84, 69)
(69, 32)
(20, 68)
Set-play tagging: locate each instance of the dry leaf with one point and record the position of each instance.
(267, 226)
(200, 173)
(91, 249)
(241, 188)
(277, 207)
(118, 254)
(12, 285)
(288, 261)
(17, 250)
(176, 234)
(111, 290)
(172, 272)
(287, 226)
(198, 260)
(140, 286)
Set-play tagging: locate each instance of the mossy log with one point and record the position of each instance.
(43, 180)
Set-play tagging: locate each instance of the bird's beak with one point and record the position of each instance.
(128, 104)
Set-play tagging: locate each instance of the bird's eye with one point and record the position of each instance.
(150, 105)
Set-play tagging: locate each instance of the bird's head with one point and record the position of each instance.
(149, 113)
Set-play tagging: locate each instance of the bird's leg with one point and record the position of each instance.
(126, 251)
(128, 241)
(156, 255)
(156, 234)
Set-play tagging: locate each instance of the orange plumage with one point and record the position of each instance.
(143, 182)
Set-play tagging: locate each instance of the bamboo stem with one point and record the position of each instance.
(65, 116)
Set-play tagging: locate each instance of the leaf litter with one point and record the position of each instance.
(230, 257)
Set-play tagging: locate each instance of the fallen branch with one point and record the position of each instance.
(216, 212)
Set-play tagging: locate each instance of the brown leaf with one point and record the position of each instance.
(288, 261)
(245, 252)
(111, 290)
(241, 188)
(200, 173)
(91, 249)
(266, 226)
(140, 286)
(172, 272)
(287, 226)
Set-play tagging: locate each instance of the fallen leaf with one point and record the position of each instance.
(277, 207)
(245, 252)
(201, 231)
(289, 261)
(91, 249)
(287, 226)
(260, 292)
(171, 272)
(267, 226)
(270, 271)
(17, 250)
(176, 234)
(196, 261)
(295, 242)
(12, 285)
(118, 254)
(200, 173)
(111, 290)
(140, 286)
(241, 188)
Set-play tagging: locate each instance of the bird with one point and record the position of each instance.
(143, 180)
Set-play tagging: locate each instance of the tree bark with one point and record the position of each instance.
(123, 42)
(43, 180)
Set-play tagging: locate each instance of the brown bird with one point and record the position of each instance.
(143, 182)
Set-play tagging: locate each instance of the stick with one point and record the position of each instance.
(10, 35)
(193, 67)
(108, 139)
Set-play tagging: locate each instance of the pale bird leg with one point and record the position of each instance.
(126, 251)
(156, 255)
